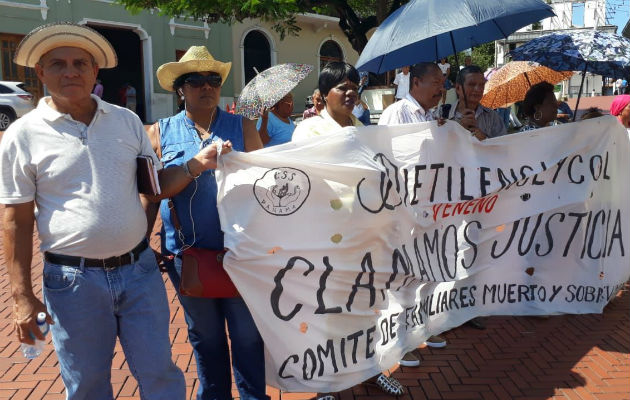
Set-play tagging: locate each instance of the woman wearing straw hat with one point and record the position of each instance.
(197, 78)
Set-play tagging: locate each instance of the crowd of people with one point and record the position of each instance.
(101, 278)
(469, 85)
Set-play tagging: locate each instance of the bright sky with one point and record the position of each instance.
(578, 14)
(620, 17)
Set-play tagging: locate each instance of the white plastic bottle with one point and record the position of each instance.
(31, 351)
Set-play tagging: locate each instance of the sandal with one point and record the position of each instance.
(389, 385)
(395, 382)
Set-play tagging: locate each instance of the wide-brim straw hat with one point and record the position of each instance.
(196, 59)
(45, 38)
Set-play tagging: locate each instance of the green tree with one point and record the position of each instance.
(356, 17)
(481, 56)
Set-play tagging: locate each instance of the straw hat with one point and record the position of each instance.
(196, 59)
(64, 34)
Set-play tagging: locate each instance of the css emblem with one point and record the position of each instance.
(282, 191)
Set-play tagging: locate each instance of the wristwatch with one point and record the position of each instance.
(187, 171)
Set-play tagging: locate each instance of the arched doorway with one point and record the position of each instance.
(129, 69)
(256, 54)
(329, 51)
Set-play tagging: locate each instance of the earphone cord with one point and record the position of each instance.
(192, 220)
(211, 116)
(180, 234)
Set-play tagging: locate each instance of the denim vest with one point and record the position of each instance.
(179, 143)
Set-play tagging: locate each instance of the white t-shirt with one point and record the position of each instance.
(402, 81)
(444, 67)
(82, 178)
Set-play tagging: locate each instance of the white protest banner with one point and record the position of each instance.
(353, 248)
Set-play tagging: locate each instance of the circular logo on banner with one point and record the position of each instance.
(282, 191)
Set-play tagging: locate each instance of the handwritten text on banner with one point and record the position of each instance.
(353, 248)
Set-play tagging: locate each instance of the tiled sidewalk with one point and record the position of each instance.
(563, 357)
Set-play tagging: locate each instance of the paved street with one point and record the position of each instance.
(563, 357)
(601, 102)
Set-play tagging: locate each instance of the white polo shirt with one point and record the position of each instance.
(82, 178)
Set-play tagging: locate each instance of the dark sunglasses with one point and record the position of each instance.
(198, 81)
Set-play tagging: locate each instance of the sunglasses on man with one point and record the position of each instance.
(198, 80)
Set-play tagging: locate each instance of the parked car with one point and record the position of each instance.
(15, 101)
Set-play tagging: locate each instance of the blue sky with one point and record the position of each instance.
(620, 17)
(578, 14)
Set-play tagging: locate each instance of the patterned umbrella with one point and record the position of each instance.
(269, 87)
(509, 83)
(598, 52)
(592, 51)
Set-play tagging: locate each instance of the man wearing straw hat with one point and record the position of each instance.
(74, 158)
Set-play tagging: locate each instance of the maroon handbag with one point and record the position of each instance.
(202, 274)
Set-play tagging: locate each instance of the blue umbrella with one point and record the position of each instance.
(427, 30)
(592, 51)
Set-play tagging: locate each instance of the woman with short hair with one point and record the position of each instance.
(338, 85)
(540, 106)
(318, 105)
